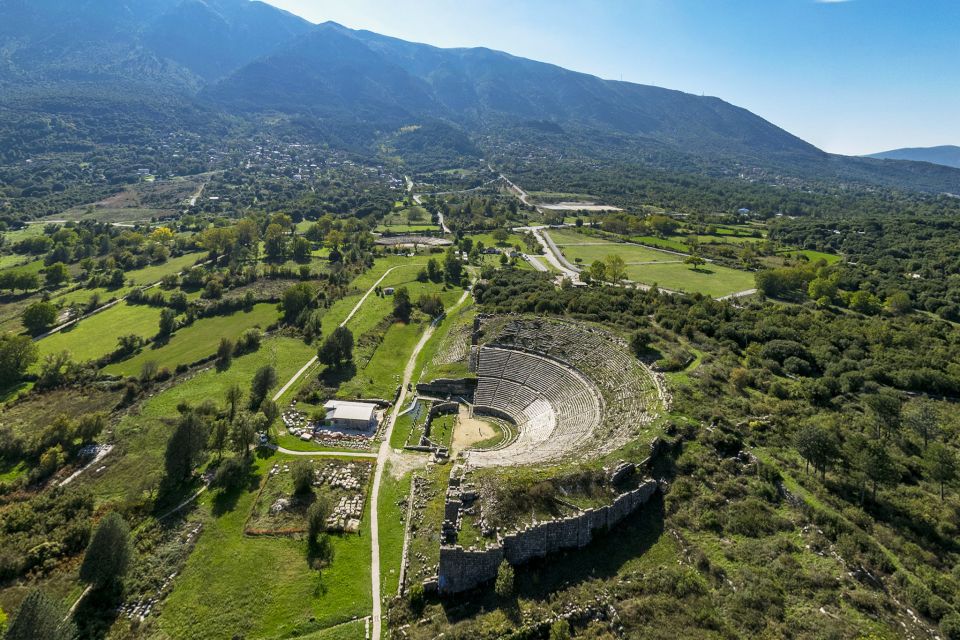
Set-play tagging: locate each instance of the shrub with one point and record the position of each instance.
(231, 474)
(301, 472)
(504, 584)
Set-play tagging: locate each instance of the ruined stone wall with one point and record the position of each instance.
(462, 569)
(448, 387)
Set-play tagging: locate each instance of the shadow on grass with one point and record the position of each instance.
(335, 376)
(601, 559)
(225, 500)
(97, 612)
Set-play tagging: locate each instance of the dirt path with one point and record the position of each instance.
(352, 313)
(321, 454)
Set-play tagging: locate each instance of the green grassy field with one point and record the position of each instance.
(380, 377)
(671, 244)
(398, 222)
(262, 587)
(441, 429)
(97, 335)
(155, 273)
(141, 436)
(667, 270)
(198, 340)
(812, 255)
(391, 517)
(487, 239)
(711, 279)
(456, 324)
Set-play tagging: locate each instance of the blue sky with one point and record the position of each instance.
(852, 76)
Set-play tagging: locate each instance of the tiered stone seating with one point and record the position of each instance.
(553, 406)
(570, 388)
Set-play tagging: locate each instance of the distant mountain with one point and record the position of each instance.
(170, 44)
(947, 155)
(156, 65)
(337, 72)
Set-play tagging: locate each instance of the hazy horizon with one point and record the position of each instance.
(850, 76)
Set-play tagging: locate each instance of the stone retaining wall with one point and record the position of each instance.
(438, 409)
(463, 569)
(448, 387)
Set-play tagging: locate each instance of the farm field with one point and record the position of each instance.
(198, 340)
(710, 279)
(650, 266)
(97, 335)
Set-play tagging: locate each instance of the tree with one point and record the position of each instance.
(337, 348)
(168, 322)
(500, 236)
(243, 434)
(270, 411)
(40, 618)
(301, 472)
(431, 304)
(434, 273)
(879, 465)
(234, 396)
(503, 586)
(263, 380)
(108, 553)
(17, 354)
(452, 266)
(39, 316)
(89, 426)
(275, 243)
(56, 274)
(640, 341)
(598, 271)
(184, 448)
(817, 446)
(560, 630)
(922, 417)
(402, 305)
(886, 410)
(296, 300)
(695, 262)
(317, 515)
(301, 249)
(218, 441)
(864, 302)
(225, 354)
(898, 303)
(941, 463)
(231, 474)
(616, 268)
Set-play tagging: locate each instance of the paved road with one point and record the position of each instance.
(535, 262)
(418, 198)
(383, 456)
(353, 312)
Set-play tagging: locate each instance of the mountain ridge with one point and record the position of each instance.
(947, 155)
(249, 59)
